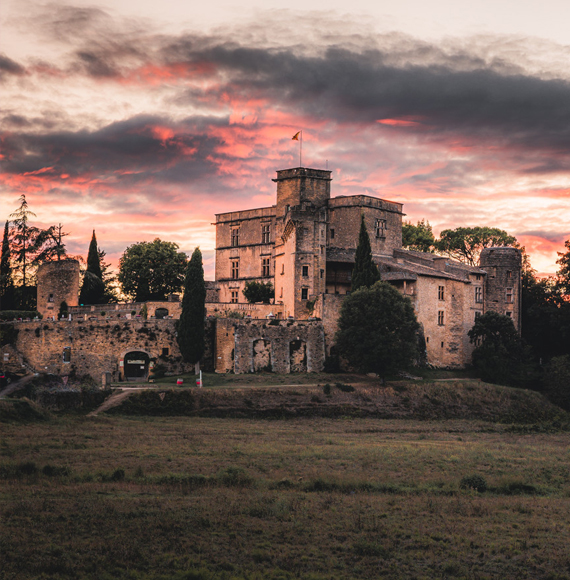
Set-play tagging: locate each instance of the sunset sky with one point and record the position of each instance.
(144, 119)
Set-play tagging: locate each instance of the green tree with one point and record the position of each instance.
(152, 270)
(49, 244)
(258, 292)
(377, 330)
(93, 288)
(465, 244)
(556, 381)
(499, 354)
(418, 237)
(191, 324)
(6, 279)
(563, 274)
(365, 271)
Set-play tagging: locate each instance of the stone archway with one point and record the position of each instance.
(160, 313)
(298, 356)
(136, 365)
(261, 359)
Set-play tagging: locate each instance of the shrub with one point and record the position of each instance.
(344, 388)
(54, 471)
(118, 475)
(327, 389)
(234, 477)
(474, 482)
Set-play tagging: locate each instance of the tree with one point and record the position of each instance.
(499, 354)
(556, 381)
(258, 292)
(377, 330)
(191, 324)
(49, 245)
(365, 271)
(152, 270)
(418, 237)
(465, 244)
(93, 288)
(6, 279)
(563, 273)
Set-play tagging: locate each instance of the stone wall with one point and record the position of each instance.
(96, 347)
(246, 346)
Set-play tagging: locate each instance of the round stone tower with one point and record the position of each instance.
(504, 282)
(57, 282)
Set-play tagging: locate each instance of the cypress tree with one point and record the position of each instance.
(6, 279)
(92, 289)
(365, 272)
(191, 324)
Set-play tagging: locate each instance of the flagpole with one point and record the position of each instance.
(301, 151)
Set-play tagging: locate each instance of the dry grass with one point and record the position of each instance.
(204, 499)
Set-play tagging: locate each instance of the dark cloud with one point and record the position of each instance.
(10, 67)
(140, 149)
(554, 237)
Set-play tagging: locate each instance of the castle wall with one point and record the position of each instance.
(279, 346)
(99, 346)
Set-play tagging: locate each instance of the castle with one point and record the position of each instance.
(305, 246)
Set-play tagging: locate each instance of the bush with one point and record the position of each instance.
(54, 471)
(556, 381)
(234, 477)
(474, 482)
(118, 475)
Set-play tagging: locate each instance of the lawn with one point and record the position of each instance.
(197, 498)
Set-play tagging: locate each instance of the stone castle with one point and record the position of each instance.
(305, 246)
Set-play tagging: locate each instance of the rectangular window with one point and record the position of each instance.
(235, 237)
(235, 269)
(381, 228)
(234, 297)
(304, 293)
(322, 273)
(440, 293)
(479, 294)
(332, 233)
(305, 271)
(265, 233)
(165, 351)
(265, 267)
(440, 319)
(509, 296)
(509, 314)
(509, 275)
(478, 277)
(67, 354)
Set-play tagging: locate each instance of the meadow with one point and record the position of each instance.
(205, 499)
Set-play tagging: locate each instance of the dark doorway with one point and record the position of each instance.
(136, 365)
(161, 313)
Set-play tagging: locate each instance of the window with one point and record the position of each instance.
(235, 237)
(509, 296)
(235, 269)
(479, 294)
(281, 293)
(234, 297)
(478, 277)
(332, 233)
(305, 271)
(265, 266)
(165, 351)
(440, 293)
(509, 275)
(50, 299)
(381, 228)
(265, 233)
(322, 273)
(304, 293)
(509, 314)
(67, 354)
(427, 339)
(440, 318)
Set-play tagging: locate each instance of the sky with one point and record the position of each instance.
(144, 119)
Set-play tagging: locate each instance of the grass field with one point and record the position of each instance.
(204, 499)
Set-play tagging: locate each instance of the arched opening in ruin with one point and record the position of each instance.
(161, 313)
(136, 365)
(261, 355)
(298, 356)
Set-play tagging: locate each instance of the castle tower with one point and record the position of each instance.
(57, 282)
(503, 286)
(300, 238)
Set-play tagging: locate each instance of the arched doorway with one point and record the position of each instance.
(161, 313)
(136, 365)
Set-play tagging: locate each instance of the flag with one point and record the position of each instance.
(296, 136)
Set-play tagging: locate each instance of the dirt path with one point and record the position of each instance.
(113, 401)
(16, 385)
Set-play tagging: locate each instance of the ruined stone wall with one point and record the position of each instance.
(57, 282)
(279, 346)
(99, 346)
(327, 308)
(244, 310)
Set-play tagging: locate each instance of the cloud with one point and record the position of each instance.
(10, 67)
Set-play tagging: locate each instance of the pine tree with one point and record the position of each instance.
(191, 324)
(6, 279)
(92, 289)
(365, 272)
